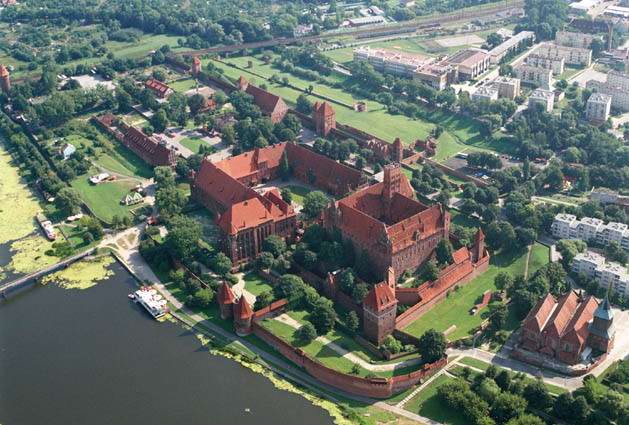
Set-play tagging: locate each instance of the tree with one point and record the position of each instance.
(503, 281)
(263, 300)
(507, 406)
(431, 271)
(265, 260)
(352, 322)
(432, 346)
(287, 195)
(183, 237)
(196, 102)
(392, 345)
(537, 395)
(68, 201)
(359, 292)
(488, 390)
(314, 203)
(444, 252)
(274, 244)
(503, 379)
(563, 406)
(221, 264)
(159, 121)
(125, 102)
(527, 419)
(169, 201)
(323, 316)
(203, 298)
(285, 171)
(500, 235)
(303, 104)
(306, 333)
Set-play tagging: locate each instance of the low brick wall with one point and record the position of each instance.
(379, 388)
(274, 309)
(456, 173)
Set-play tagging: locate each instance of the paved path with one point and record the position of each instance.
(239, 289)
(287, 320)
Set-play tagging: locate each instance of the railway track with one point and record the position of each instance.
(417, 24)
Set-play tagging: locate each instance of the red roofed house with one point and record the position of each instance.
(5, 79)
(158, 88)
(269, 103)
(379, 312)
(569, 328)
(247, 217)
(396, 230)
(324, 118)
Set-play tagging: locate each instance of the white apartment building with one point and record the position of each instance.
(507, 87)
(606, 274)
(555, 64)
(485, 93)
(598, 107)
(471, 62)
(571, 55)
(541, 77)
(567, 226)
(616, 86)
(503, 49)
(546, 98)
(574, 39)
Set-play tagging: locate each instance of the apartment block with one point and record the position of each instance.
(507, 87)
(570, 55)
(574, 39)
(546, 98)
(567, 226)
(598, 107)
(541, 77)
(470, 62)
(616, 86)
(606, 274)
(485, 93)
(510, 45)
(554, 64)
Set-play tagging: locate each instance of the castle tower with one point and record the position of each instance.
(391, 278)
(602, 329)
(397, 150)
(379, 312)
(479, 246)
(5, 79)
(225, 299)
(392, 185)
(243, 83)
(196, 66)
(324, 118)
(243, 314)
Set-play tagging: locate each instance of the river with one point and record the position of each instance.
(92, 357)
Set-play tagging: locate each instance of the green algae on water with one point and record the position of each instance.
(83, 274)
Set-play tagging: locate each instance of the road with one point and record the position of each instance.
(462, 15)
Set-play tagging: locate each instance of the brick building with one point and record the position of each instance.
(196, 66)
(570, 329)
(384, 219)
(158, 88)
(245, 216)
(379, 312)
(324, 118)
(5, 79)
(270, 104)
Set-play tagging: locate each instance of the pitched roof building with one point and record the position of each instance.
(158, 88)
(270, 104)
(384, 219)
(569, 328)
(247, 217)
(324, 118)
(379, 312)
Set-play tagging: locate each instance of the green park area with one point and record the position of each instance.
(104, 199)
(146, 43)
(298, 192)
(427, 403)
(194, 143)
(454, 311)
(256, 285)
(183, 85)
(461, 133)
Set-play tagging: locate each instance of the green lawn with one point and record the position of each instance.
(143, 46)
(298, 193)
(454, 310)
(194, 143)
(104, 199)
(183, 86)
(427, 403)
(256, 285)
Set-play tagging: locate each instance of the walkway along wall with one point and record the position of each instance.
(367, 387)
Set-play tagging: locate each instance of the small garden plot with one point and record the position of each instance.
(104, 199)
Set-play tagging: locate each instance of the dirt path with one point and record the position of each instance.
(528, 258)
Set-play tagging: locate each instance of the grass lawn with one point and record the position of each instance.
(104, 199)
(194, 143)
(464, 220)
(454, 310)
(143, 46)
(256, 285)
(427, 403)
(183, 86)
(298, 193)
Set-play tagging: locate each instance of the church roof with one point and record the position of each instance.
(604, 311)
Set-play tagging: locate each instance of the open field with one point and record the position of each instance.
(104, 199)
(256, 285)
(183, 86)
(454, 310)
(427, 403)
(142, 47)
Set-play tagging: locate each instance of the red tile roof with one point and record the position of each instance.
(4, 72)
(380, 298)
(220, 186)
(248, 163)
(225, 294)
(539, 315)
(242, 309)
(253, 213)
(148, 148)
(267, 102)
(157, 86)
(324, 109)
(460, 255)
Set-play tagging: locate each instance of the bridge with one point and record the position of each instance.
(27, 281)
(416, 24)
